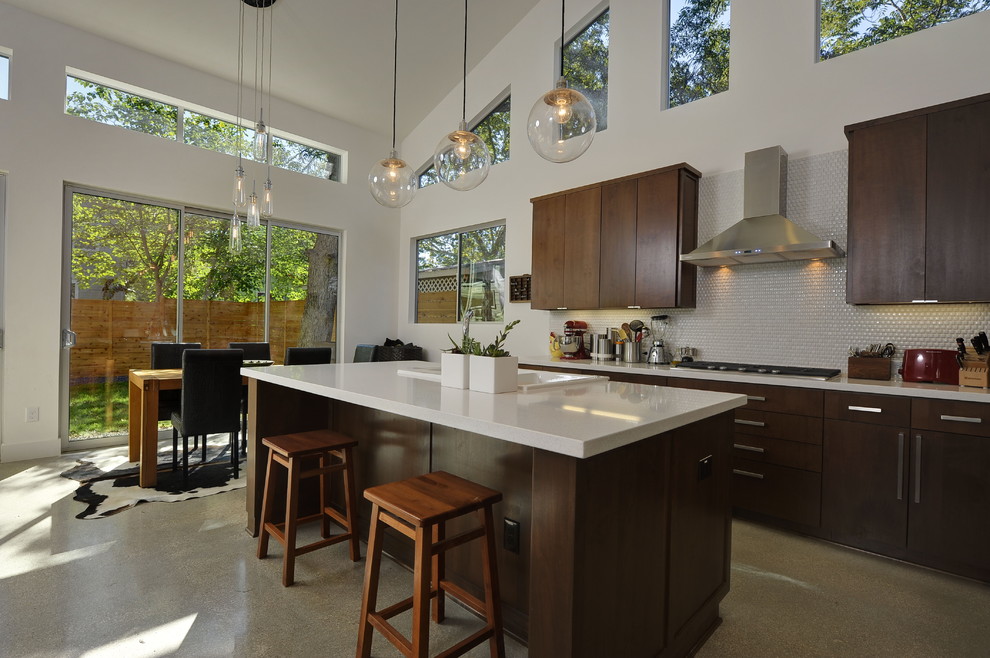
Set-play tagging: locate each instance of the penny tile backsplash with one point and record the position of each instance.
(791, 313)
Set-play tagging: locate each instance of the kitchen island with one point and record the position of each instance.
(620, 492)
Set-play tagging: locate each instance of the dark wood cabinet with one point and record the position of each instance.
(918, 202)
(617, 243)
(910, 492)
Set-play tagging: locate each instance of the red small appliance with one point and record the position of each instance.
(572, 342)
(935, 366)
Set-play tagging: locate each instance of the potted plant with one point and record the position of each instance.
(455, 363)
(493, 369)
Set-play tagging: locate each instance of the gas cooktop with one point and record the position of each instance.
(787, 371)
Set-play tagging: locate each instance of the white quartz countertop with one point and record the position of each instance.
(841, 383)
(580, 420)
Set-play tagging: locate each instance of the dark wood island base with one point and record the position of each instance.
(625, 553)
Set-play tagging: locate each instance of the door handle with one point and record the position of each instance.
(960, 419)
(917, 468)
(753, 423)
(741, 446)
(748, 474)
(874, 410)
(900, 466)
(68, 338)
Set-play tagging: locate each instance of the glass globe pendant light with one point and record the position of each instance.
(462, 159)
(391, 181)
(562, 123)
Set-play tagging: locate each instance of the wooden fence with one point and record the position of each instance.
(115, 336)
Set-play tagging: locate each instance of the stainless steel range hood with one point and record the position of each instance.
(764, 235)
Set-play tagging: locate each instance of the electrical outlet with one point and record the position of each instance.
(510, 535)
(32, 414)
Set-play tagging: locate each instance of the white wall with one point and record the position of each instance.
(778, 94)
(41, 148)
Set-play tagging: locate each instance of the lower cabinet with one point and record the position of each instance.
(893, 486)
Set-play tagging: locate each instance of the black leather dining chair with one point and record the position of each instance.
(301, 356)
(169, 355)
(211, 402)
(254, 351)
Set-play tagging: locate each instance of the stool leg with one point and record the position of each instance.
(266, 510)
(371, 572)
(421, 594)
(324, 495)
(350, 504)
(291, 522)
(493, 606)
(439, 613)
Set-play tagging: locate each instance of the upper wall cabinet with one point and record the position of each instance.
(919, 205)
(616, 244)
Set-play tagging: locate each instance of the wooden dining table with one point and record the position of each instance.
(142, 417)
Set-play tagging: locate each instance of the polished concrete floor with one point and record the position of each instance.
(181, 579)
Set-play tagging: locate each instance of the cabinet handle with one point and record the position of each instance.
(900, 466)
(872, 410)
(961, 419)
(748, 474)
(754, 423)
(634, 307)
(750, 448)
(917, 468)
(756, 398)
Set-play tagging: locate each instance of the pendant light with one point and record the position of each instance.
(235, 233)
(393, 182)
(267, 208)
(462, 160)
(562, 123)
(240, 194)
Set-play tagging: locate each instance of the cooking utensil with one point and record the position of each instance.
(984, 341)
(977, 344)
(636, 325)
(628, 330)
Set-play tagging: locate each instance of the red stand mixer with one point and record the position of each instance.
(572, 342)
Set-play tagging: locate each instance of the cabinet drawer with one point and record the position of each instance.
(868, 408)
(806, 456)
(783, 399)
(972, 418)
(778, 491)
(778, 426)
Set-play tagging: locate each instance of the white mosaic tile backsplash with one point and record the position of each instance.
(791, 313)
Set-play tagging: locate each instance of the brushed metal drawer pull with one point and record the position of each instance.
(872, 410)
(750, 448)
(748, 474)
(961, 419)
(756, 398)
(754, 423)
(917, 468)
(900, 466)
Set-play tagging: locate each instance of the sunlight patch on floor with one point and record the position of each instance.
(158, 641)
(28, 550)
(753, 571)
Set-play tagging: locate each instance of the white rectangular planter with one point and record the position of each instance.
(454, 370)
(494, 374)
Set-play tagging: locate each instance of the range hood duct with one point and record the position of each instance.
(764, 235)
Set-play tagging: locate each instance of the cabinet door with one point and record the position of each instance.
(582, 247)
(958, 204)
(864, 484)
(618, 257)
(886, 246)
(950, 501)
(657, 244)
(548, 253)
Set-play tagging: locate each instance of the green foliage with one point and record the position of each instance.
(586, 66)
(305, 159)
(699, 51)
(848, 25)
(467, 345)
(117, 108)
(494, 348)
(216, 134)
(494, 130)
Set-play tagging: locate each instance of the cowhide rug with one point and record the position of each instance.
(107, 492)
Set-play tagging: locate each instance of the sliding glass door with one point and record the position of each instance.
(139, 271)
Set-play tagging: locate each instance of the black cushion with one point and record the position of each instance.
(298, 356)
(254, 351)
(211, 392)
(169, 355)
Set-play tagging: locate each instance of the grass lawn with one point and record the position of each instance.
(97, 410)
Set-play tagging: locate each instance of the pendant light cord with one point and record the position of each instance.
(271, 41)
(395, 68)
(464, 66)
(563, 8)
(240, 80)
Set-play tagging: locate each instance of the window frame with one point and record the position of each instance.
(576, 30)
(183, 106)
(414, 259)
(7, 55)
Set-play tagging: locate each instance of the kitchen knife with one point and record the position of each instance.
(983, 339)
(977, 344)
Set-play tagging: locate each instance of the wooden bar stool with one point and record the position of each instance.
(419, 507)
(290, 450)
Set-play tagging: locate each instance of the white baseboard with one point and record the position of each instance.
(17, 452)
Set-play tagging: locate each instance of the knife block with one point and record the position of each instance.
(869, 367)
(975, 371)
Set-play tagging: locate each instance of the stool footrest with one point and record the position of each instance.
(390, 632)
(329, 541)
(467, 643)
(465, 597)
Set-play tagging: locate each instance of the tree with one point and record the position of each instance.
(699, 51)
(494, 130)
(848, 25)
(586, 66)
(319, 315)
(117, 108)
